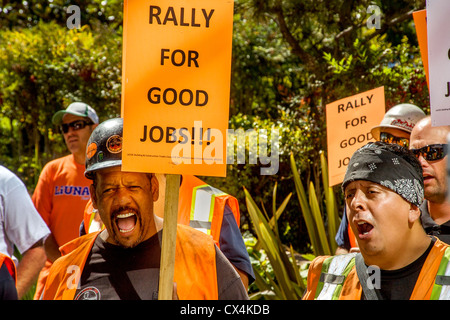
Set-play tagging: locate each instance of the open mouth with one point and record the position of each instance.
(126, 222)
(364, 228)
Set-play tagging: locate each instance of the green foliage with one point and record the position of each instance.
(26, 14)
(283, 281)
(322, 241)
(295, 137)
(290, 58)
(276, 275)
(42, 70)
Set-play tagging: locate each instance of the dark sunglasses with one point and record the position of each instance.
(431, 152)
(389, 138)
(75, 125)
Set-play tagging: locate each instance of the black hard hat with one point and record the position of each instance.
(104, 148)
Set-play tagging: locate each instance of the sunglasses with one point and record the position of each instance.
(75, 125)
(431, 152)
(389, 138)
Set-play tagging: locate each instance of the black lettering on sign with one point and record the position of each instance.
(180, 17)
(354, 104)
(344, 162)
(179, 57)
(185, 97)
(352, 140)
(157, 134)
(355, 122)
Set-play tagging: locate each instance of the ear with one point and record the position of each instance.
(93, 196)
(155, 188)
(414, 213)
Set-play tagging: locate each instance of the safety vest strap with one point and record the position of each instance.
(334, 270)
(441, 288)
(202, 207)
(332, 278)
(442, 280)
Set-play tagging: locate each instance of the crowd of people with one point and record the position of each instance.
(393, 241)
(91, 231)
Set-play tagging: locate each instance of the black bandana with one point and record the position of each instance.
(373, 162)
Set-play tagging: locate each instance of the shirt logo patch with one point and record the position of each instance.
(88, 293)
(79, 191)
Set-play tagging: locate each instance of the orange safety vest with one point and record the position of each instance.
(351, 288)
(200, 206)
(195, 267)
(4, 259)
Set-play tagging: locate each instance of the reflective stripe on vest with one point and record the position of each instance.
(441, 288)
(334, 271)
(202, 207)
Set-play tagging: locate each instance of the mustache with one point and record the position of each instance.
(118, 210)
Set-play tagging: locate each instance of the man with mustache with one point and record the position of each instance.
(383, 188)
(429, 144)
(122, 261)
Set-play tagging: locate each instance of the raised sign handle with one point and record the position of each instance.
(169, 237)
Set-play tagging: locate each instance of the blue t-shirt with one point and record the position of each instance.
(341, 238)
(232, 245)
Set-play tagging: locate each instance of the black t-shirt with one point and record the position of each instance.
(441, 231)
(115, 273)
(399, 284)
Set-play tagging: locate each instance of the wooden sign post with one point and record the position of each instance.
(175, 104)
(169, 237)
(349, 122)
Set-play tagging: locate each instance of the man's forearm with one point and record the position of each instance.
(30, 265)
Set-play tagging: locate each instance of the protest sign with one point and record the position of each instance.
(176, 85)
(349, 122)
(420, 22)
(439, 61)
(175, 98)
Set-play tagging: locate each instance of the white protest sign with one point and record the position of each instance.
(438, 25)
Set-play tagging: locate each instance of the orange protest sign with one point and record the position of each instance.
(349, 122)
(420, 21)
(176, 85)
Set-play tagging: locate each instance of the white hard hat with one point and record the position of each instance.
(402, 116)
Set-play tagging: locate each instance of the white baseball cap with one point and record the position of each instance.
(78, 109)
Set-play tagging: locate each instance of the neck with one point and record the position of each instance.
(80, 158)
(439, 212)
(407, 252)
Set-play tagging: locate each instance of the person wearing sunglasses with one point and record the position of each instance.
(429, 145)
(62, 191)
(396, 127)
(397, 259)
